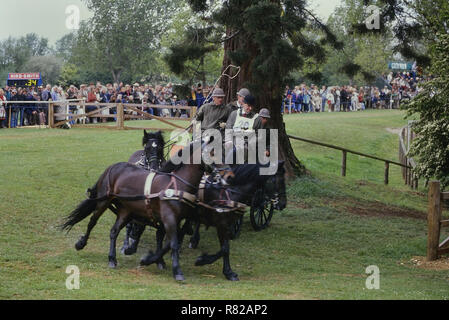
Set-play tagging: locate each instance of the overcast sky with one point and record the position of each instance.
(48, 18)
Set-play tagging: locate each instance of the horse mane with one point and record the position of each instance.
(244, 173)
(251, 172)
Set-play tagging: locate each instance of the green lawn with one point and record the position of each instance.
(318, 248)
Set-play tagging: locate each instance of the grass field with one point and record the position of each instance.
(318, 248)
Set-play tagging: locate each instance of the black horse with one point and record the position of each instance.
(247, 177)
(246, 181)
(151, 158)
(121, 183)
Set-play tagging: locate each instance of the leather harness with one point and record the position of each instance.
(171, 192)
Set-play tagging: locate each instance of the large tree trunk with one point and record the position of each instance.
(270, 98)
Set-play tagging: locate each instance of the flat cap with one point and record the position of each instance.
(265, 113)
(244, 92)
(218, 92)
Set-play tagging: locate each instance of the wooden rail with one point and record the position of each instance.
(345, 154)
(435, 223)
(120, 117)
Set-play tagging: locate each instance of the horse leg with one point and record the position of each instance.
(171, 229)
(122, 220)
(135, 232)
(224, 252)
(160, 234)
(195, 239)
(186, 229)
(208, 258)
(224, 242)
(101, 208)
(129, 227)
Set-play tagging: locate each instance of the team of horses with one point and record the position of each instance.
(121, 189)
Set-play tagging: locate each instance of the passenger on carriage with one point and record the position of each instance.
(244, 123)
(238, 105)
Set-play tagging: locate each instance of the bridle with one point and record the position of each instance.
(153, 155)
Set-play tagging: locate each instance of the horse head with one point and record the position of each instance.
(154, 144)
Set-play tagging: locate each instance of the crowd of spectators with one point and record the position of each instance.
(398, 87)
(143, 95)
(300, 99)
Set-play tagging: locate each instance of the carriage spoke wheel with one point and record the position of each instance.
(236, 228)
(261, 211)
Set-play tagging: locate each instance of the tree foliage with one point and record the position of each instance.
(365, 56)
(122, 35)
(49, 66)
(431, 145)
(268, 39)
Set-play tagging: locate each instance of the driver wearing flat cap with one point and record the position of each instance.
(215, 114)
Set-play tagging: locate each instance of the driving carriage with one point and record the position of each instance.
(173, 197)
(262, 204)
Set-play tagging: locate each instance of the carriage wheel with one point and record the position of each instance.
(261, 211)
(236, 228)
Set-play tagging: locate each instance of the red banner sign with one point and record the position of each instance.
(24, 76)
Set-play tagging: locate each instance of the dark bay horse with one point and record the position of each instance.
(244, 184)
(124, 184)
(243, 187)
(150, 158)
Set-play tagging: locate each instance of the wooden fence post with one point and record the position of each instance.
(433, 220)
(120, 117)
(193, 113)
(387, 170)
(343, 164)
(51, 117)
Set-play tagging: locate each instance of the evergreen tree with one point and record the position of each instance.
(268, 40)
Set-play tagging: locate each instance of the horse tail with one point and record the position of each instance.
(81, 212)
(87, 207)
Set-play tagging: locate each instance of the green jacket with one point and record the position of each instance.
(212, 115)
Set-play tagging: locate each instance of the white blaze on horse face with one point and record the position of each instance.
(273, 158)
(213, 152)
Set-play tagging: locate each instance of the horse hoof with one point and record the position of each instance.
(193, 245)
(129, 251)
(147, 260)
(112, 264)
(232, 277)
(201, 261)
(161, 265)
(80, 244)
(179, 277)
